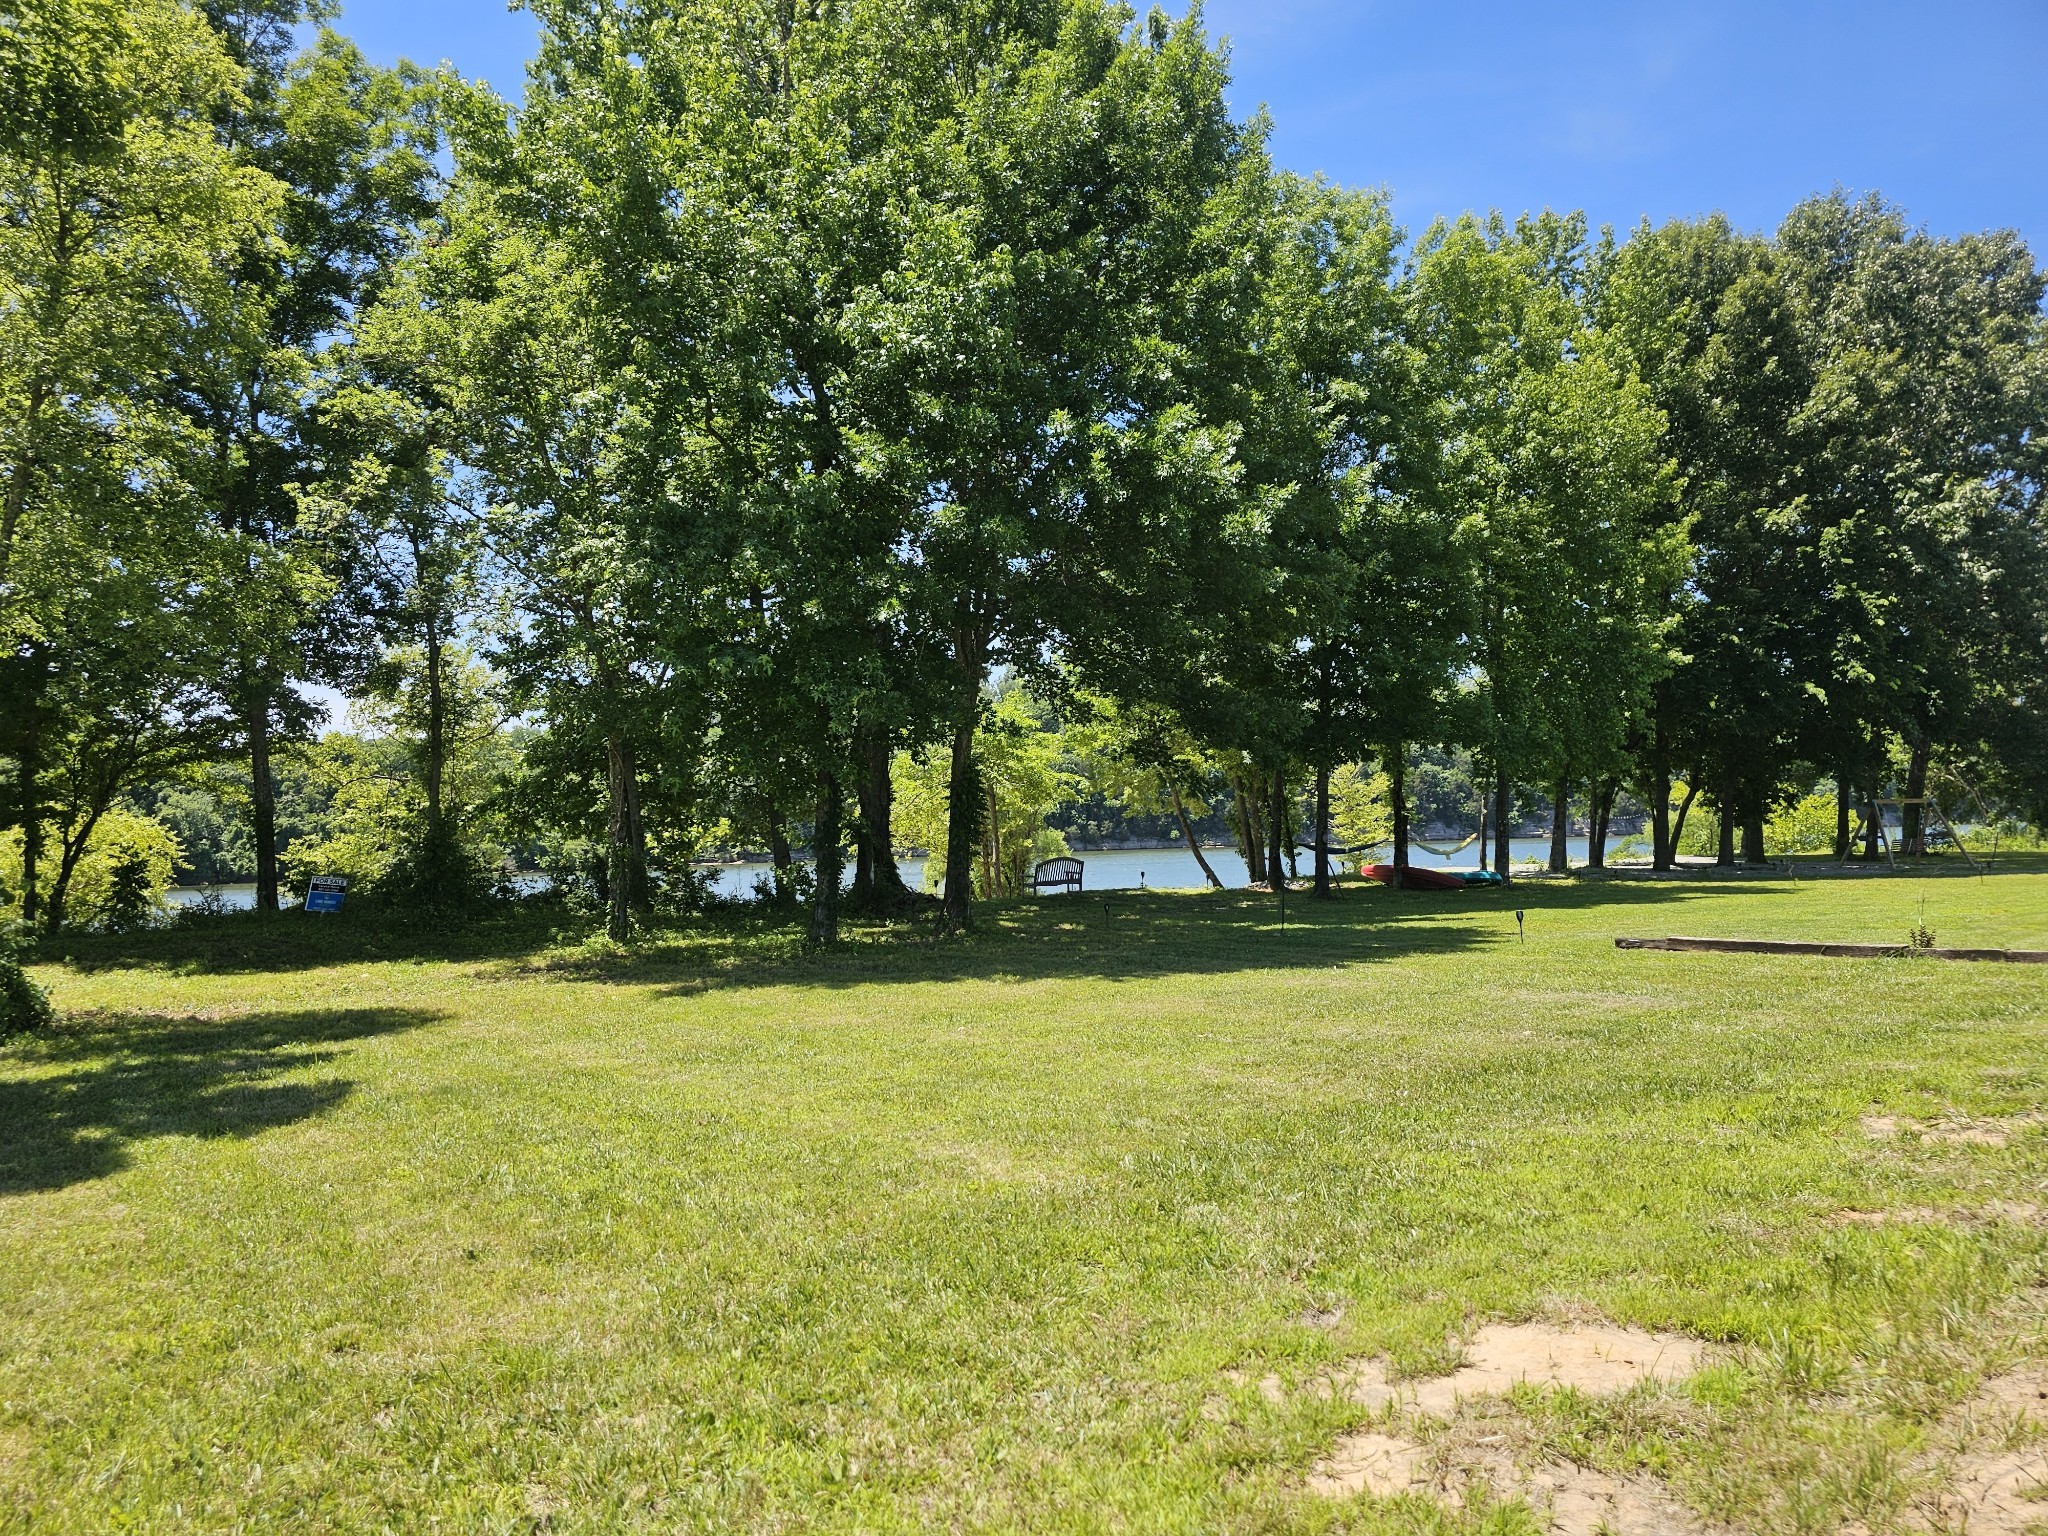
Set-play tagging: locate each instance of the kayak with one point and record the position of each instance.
(1419, 879)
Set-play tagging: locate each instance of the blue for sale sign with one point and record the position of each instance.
(323, 893)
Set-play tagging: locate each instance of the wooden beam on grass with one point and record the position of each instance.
(1848, 951)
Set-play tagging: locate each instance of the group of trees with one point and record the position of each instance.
(726, 417)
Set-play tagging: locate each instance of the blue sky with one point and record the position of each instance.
(1622, 110)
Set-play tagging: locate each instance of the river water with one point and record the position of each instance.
(1117, 869)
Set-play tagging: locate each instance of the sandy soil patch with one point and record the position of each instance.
(2022, 1393)
(1410, 1449)
(1582, 1502)
(1954, 1129)
(1598, 1358)
(1571, 1500)
(1367, 1461)
(1996, 1484)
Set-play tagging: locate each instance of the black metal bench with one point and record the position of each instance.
(1056, 874)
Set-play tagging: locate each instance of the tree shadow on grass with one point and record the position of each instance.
(1111, 934)
(75, 1097)
(232, 942)
(1121, 935)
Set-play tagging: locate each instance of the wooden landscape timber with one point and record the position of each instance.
(1846, 951)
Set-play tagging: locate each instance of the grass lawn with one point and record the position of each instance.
(1056, 1227)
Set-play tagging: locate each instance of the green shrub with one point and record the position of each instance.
(23, 1005)
(2007, 836)
(1805, 827)
(120, 880)
(437, 873)
(1702, 835)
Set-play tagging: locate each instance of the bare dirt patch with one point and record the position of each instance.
(1368, 1461)
(1571, 1500)
(1995, 1482)
(1954, 1129)
(1596, 1358)
(1582, 1502)
(1429, 1438)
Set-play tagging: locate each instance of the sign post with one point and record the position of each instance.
(324, 892)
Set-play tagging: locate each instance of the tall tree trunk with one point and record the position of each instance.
(262, 804)
(1503, 848)
(1874, 831)
(437, 735)
(861, 896)
(993, 842)
(1560, 828)
(626, 837)
(1724, 807)
(1322, 886)
(1246, 805)
(830, 864)
(1662, 845)
(782, 860)
(1290, 831)
(1913, 812)
(29, 788)
(60, 888)
(1397, 802)
(1599, 805)
(1753, 837)
(1845, 798)
(71, 851)
(1485, 781)
(877, 883)
(963, 806)
(1692, 789)
(1187, 830)
(1276, 831)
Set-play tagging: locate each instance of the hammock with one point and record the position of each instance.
(1441, 850)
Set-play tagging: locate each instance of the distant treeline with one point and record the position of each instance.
(860, 426)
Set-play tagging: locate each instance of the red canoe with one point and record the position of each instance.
(1419, 879)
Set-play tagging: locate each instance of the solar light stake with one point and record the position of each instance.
(1519, 931)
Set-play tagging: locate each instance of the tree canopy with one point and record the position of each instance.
(815, 427)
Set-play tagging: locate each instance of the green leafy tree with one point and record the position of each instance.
(1056, 440)
(120, 212)
(1144, 757)
(1021, 757)
(1315, 626)
(1553, 450)
(1703, 315)
(353, 149)
(1916, 438)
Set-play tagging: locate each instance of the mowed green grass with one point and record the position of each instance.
(356, 1229)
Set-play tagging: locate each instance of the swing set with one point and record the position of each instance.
(1870, 824)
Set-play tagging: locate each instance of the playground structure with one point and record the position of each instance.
(1871, 825)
